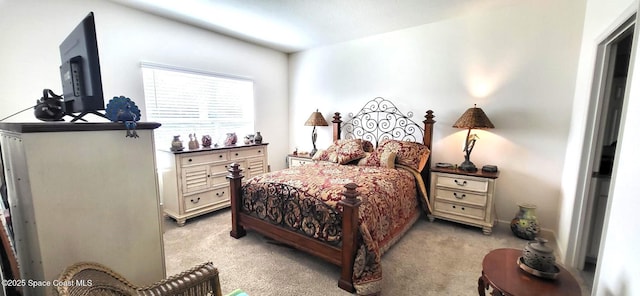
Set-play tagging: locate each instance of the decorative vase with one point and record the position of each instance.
(231, 139)
(176, 144)
(525, 224)
(193, 142)
(206, 141)
(538, 256)
(258, 138)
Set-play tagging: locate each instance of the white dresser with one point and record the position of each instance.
(463, 197)
(82, 192)
(194, 181)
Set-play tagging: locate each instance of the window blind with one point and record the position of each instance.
(195, 102)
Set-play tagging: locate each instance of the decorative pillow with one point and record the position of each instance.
(411, 154)
(388, 159)
(342, 151)
(349, 150)
(324, 154)
(379, 158)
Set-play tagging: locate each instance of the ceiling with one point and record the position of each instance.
(295, 25)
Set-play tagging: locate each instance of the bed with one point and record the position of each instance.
(354, 202)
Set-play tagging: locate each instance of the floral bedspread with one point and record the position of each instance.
(390, 206)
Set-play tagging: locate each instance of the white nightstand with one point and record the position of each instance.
(463, 197)
(298, 160)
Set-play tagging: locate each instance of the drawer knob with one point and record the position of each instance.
(463, 183)
(218, 194)
(459, 196)
(190, 160)
(220, 156)
(236, 153)
(195, 200)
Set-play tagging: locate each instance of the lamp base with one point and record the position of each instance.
(468, 166)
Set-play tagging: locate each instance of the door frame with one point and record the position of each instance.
(577, 247)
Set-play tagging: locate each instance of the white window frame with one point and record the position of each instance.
(190, 103)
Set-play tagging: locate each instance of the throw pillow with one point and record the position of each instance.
(412, 154)
(349, 150)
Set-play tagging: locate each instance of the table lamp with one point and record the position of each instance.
(470, 119)
(316, 119)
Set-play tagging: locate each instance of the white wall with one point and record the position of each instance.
(32, 31)
(516, 59)
(616, 273)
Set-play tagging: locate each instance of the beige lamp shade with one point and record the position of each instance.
(316, 119)
(474, 118)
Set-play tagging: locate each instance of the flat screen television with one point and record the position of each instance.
(80, 71)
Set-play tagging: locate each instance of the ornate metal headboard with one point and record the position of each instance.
(380, 119)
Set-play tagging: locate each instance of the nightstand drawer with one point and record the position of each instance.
(463, 183)
(462, 197)
(462, 210)
(294, 161)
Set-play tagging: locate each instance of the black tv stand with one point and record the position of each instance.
(79, 116)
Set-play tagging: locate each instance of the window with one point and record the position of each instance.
(187, 102)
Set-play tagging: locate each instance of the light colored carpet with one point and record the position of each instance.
(433, 258)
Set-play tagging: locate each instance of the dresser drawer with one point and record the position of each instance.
(462, 197)
(244, 153)
(462, 210)
(220, 168)
(208, 198)
(463, 183)
(219, 179)
(203, 158)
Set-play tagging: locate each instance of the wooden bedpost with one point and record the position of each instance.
(428, 129)
(350, 207)
(428, 141)
(235, 182)
(337, 121)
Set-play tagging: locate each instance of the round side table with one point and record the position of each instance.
(501, 272)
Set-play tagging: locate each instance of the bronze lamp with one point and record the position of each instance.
(316, 119)
(470, 119)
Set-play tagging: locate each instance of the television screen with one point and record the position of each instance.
(80, 71)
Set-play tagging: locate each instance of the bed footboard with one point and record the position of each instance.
(278, 212)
